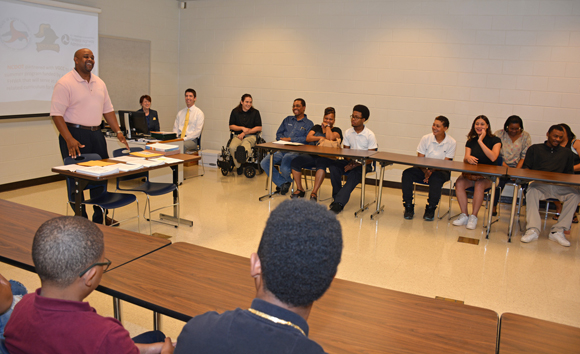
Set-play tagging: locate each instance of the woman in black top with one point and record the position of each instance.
(319, 132)
(150, 115)
(482, 147)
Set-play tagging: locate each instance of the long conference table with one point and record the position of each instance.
(82, 180)
(18, 224)
(359, 155)
(185, 280)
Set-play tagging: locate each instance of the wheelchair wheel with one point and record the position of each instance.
(249, 171)
(224, 171)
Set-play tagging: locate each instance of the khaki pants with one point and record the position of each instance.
(248, 143)
(568, 195)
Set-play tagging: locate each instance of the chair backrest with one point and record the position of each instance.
(125, 152)
(70, 181)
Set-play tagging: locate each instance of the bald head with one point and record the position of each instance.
(84, 61)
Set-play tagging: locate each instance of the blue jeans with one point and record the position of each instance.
(17, 289)
(285, 161)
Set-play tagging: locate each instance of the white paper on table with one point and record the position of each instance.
(166, 159)
(129, 167)
(98, 170)
(71, 168)
(152, 162)
(282, 142)
(128, 159)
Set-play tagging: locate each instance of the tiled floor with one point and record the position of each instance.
(541, 279)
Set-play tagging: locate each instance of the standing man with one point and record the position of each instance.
(189, 122)
(438, 145)
(293, 128)
(551, 157)
(79, 102)
(296, 262)
(358, 137)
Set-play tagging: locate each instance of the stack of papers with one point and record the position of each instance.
(153, 162)
(128, 167)
(146, 154)
(98, 171)
(129, 159)
(166, 159)
(71, 168)
(282, 142)
(162, 147)
(95, 163)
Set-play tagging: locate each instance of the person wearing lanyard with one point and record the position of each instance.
(79, 102)
(297, 232)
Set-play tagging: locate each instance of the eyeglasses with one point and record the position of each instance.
(353, 117)
(104, 264)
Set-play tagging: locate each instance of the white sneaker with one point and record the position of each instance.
(471, 222)
(559, 237)
(530, 235)
(461, 220)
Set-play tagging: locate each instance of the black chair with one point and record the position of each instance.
(148, 188)
(105, 200)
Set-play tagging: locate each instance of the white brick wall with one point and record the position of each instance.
(408, 60)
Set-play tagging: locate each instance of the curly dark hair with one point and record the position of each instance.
(363, 110)
(64, 246)
(300, 251)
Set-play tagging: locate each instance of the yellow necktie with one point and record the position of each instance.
(184, 129)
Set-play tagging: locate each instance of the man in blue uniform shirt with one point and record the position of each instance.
(296, 262)
(294, 129)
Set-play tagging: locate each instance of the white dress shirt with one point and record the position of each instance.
(194, 126)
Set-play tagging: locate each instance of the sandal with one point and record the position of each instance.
(298, 194)
(556, 217)
(314, 197)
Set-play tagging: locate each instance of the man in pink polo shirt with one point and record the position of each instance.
(79, 102)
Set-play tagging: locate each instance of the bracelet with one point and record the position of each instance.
(120, 132)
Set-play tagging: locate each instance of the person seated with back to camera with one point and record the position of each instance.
(514, 145)
(69, 256)
(296, 262)
(481, 148)
(293, 129)
(245, 123)
(325, 134)
(357, 137)
(150, 114)
(437, 145)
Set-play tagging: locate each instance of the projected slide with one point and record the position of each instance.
(37, 45)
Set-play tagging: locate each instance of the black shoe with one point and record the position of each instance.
(285, 188)
(240, 154)
(297, 194)
(109, 221)
(336, 207)
(409, 211)
(240, 170)
(429, 213)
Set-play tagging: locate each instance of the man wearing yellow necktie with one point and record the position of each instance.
(189, 122)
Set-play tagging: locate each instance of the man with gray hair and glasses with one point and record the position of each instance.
(69, 257)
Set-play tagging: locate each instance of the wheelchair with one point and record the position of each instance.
(252, 166)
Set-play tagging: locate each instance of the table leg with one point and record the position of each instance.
(175, 217)
(156, 321)
(79, 187)
(513, 212)
(117, 309)
(489, 216)
(363, 206)
(380, 207)
(269, 195)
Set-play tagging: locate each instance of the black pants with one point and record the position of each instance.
(436, 181)
(95, 143)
